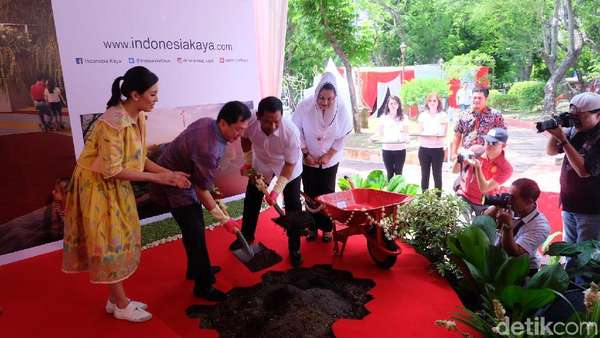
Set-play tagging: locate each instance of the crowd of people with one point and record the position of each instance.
(304, 151)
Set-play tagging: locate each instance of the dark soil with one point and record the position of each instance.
(296, 303)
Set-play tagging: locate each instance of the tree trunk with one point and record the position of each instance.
(352, 89)
(550, 55)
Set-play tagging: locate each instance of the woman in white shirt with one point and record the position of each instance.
(53, 96)
(433, 126)
(392, 134)
(323, 122)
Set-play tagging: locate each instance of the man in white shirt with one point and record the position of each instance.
(271, 146)
(523, 228)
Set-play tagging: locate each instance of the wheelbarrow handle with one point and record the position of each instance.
(308, 198)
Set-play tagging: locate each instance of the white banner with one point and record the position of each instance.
(203, 52)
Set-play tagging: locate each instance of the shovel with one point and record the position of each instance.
(257, 256)
(247, 251)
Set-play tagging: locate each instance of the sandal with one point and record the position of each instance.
(132, 314)
(312, 235)
(110, 306)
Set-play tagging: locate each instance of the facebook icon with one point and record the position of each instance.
(131, 60)
(79, 61)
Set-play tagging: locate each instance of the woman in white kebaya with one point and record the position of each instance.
(324, 122)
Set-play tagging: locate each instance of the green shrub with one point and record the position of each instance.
(500, 100)
(414, 91)
(426, 222)
(527, 95)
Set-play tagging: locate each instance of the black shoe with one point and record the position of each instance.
(296, 258)
(235, 245)
(210, 293)
(214, 269)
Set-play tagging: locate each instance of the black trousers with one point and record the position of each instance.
(190, 220)
(393, 161)
(431, 159)
(319, 182)
(253, 200)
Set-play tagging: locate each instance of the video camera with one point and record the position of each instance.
(502, 200)
(563, 119)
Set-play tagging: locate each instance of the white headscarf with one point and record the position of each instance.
(322, 131)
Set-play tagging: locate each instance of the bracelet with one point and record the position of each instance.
(562, 143)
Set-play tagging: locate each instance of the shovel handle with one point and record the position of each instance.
(264, 191)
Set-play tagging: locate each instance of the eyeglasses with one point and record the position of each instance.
(492, 143)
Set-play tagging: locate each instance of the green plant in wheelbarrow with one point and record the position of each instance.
(376, 179)
(500, 280)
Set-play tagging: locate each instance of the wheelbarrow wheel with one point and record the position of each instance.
(380, 258)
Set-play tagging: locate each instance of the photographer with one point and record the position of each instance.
(580, 172)
(484, 174)
(521, 227)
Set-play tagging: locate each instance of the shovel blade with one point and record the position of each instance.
(244, 255)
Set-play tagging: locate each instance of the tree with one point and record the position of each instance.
(563, 17)
(336, 22)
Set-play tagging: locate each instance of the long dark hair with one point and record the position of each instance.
(137, 79)
(399, 115)
(51, 85)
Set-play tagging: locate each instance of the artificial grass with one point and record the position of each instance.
(166, 228)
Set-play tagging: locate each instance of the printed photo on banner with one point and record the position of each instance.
(35, 133)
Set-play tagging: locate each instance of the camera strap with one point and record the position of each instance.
(522, 223)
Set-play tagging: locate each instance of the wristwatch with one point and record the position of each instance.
(562, 143)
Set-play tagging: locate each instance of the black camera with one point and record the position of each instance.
(464, 155)
(502, 200)
(563, 119)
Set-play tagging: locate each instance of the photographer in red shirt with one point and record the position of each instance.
(484, 170)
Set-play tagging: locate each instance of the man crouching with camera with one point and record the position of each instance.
(483, 170)
(580, 172)
(522, 228)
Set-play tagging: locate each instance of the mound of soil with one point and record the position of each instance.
(302, 302)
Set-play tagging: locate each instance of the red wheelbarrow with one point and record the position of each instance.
(361, 211)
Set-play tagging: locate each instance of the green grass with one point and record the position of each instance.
(166, 228)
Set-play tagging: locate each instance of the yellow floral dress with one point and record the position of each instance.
(102, 227)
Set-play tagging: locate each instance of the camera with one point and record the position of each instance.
(502, 200)
(563, 119)
(464, 155)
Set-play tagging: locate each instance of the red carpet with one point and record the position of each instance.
(549, 206)
(41, 301)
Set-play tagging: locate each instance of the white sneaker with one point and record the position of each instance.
(110, 307)
(132, 313)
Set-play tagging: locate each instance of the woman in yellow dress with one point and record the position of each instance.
(102, 227)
